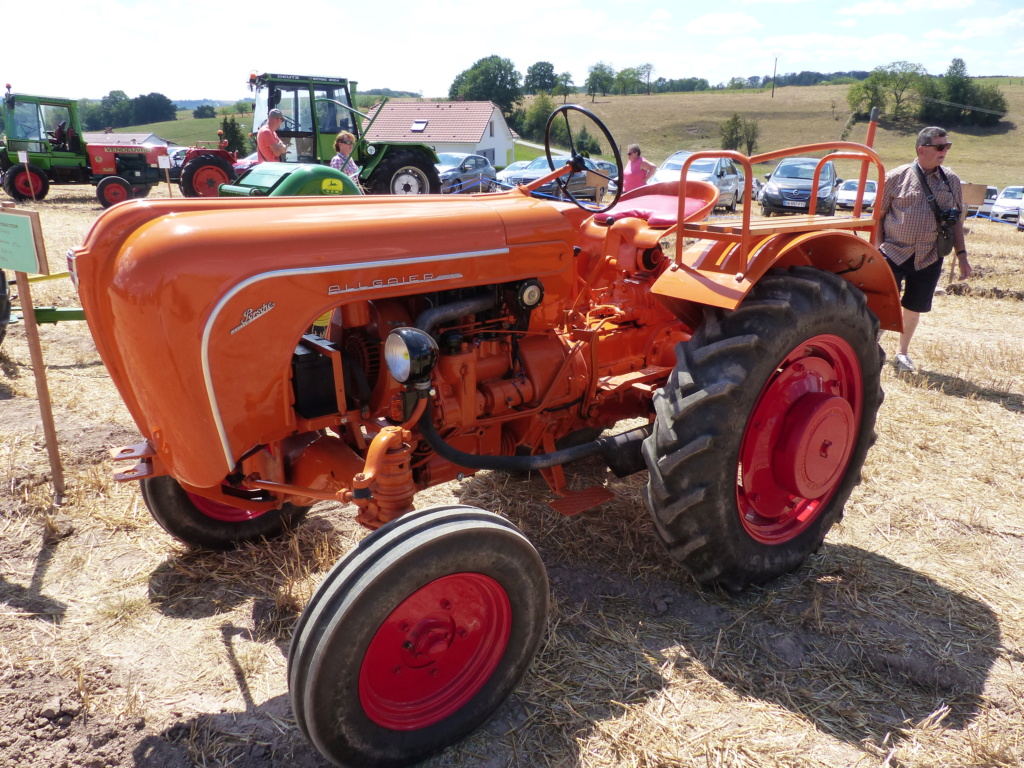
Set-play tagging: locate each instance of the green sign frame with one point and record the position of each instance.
(21, 242)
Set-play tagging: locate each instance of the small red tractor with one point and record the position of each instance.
(495, 331)
(47, 130)
(206, 166)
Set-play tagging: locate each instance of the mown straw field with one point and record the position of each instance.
(900, 643)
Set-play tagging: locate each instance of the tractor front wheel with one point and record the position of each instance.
(416, 636)
(112, 190)
(140, 192)
(203, 176)
(26, 182)
(206, 524)
(763, 428)
(405, 173)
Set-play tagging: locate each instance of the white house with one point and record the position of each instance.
(477, 127)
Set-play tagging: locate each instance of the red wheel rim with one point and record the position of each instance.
(207, 179)
(28, 184)
(799, 439)
(219, 511)
(116, 193)
(435, 651)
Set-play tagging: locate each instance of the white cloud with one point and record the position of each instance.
(878, 8)
(737, 23)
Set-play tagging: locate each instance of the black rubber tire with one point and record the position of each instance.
(405, 172)
(732, 206)
(348, 618)
(203, 176)
(176, 512)
(16, 182)
(140, 192)
(112, 190)
(765, 212)
(703, 413)
(5, 305)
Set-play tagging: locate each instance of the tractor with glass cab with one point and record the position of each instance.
(43, 145)
(315, 110)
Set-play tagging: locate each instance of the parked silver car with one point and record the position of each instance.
(462, 172)
(720, 171)
(847, 195)
(1008, 205)
(579, 186)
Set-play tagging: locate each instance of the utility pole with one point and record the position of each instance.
(775, 68)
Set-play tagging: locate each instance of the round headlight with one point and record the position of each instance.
(410, 354)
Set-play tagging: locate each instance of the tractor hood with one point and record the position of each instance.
(196, 306)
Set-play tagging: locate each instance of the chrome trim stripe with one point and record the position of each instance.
(207, 330)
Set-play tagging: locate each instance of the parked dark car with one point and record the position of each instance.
(789, 187)
(461, 172)
(719, 171)
(578, 183)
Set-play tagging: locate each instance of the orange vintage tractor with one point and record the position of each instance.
(495, 331)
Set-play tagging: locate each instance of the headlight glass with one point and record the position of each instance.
(410, 354)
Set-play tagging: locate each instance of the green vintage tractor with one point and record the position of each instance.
(48, 131)
(315, 110)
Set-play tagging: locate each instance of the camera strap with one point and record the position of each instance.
(930, 196)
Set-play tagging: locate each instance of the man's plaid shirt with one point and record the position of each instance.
(909, 228)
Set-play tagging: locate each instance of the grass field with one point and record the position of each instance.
(664, 123)
(899, 644)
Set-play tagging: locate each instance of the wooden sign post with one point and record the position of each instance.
(22, 250)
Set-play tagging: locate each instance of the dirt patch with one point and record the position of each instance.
(899, 643)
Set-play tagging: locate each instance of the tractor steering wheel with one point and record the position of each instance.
(576, 160)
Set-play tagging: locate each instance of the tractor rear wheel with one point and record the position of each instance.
(763, 428)
(405, 173)
(206, 524)
(26, 182)
(416, 636)
(203, 176)
(113, 189)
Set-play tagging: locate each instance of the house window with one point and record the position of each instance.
(492, 129)
(418, 126)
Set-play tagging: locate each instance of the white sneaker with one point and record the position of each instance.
(904, 364)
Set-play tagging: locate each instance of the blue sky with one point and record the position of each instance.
(185, 50)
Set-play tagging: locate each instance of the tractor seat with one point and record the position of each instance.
(658, 204)
(60, 136)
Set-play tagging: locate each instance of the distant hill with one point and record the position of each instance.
(391, 94)
(191, 104)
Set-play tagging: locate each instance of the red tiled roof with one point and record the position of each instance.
(454, 121)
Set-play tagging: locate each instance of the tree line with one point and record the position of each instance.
(496, 79)
(903, 90)
(899, 89)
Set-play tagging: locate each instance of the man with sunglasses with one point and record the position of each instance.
(918, 198)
